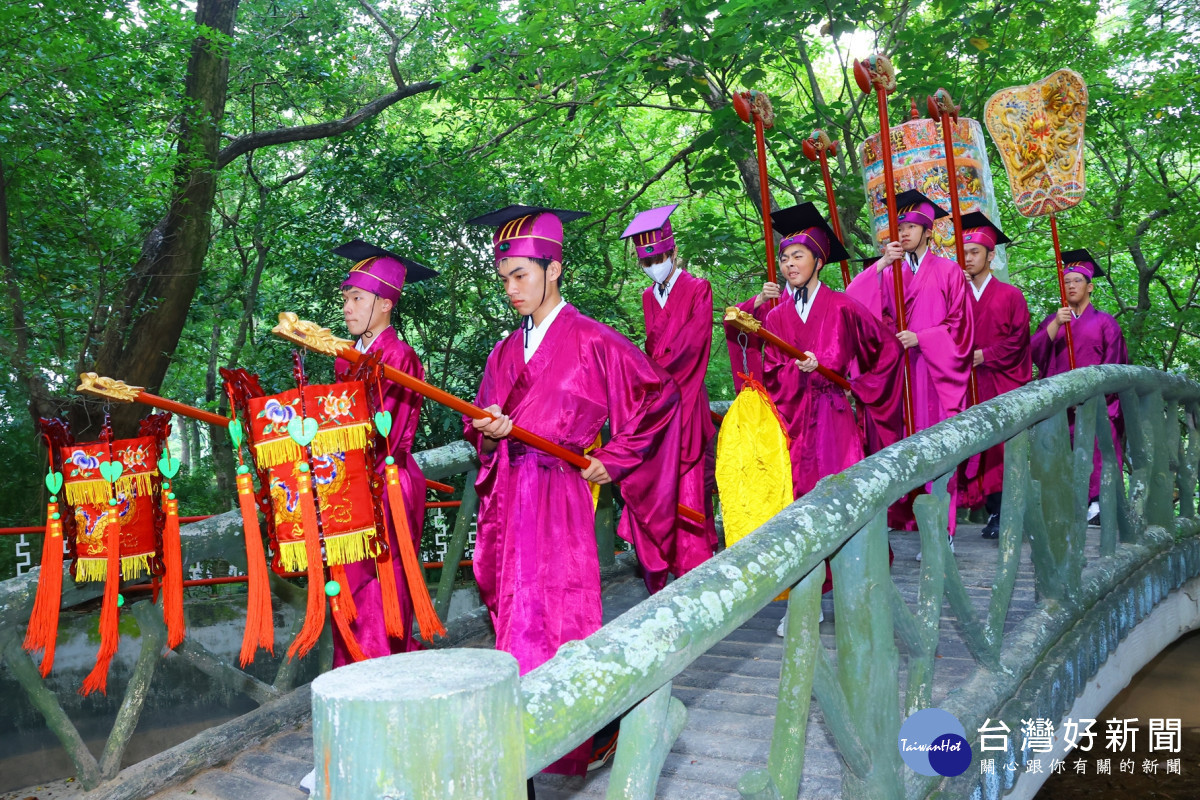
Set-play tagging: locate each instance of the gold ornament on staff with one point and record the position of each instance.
(108, 388)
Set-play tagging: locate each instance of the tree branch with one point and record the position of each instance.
(675, 159)
(321, 130)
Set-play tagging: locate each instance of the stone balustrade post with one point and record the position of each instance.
(435, 725)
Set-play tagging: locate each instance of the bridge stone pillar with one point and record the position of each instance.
(436, 725)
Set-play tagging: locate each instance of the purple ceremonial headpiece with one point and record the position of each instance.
(1081, 261)
(382, 276)
(379, 271)
(914, 207)
(978, 229)
(812, 238)
(805, 225)
(527, 231)
(651, 232)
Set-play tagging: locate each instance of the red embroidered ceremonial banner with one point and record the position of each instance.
(88, 493)
(339, 469)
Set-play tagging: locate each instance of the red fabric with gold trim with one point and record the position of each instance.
(88, 493)
(338, 465)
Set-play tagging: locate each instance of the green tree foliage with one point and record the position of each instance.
(395, 121)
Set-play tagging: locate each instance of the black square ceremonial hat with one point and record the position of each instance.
(359, 251)
(912, 206)
(804, 224)
(527, 231)
(977, 224)
(1073, 260)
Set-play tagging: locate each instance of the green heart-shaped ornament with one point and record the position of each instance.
(236, 434)
(168, 466)
(111, 470)
(302, 431)
(53, 481)
(383, 423)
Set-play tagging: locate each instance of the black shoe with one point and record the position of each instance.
(604, 747)
(992, 529)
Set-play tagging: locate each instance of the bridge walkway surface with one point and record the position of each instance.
(729, 692)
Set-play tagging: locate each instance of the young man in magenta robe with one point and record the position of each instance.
(833, 331)
(369, 293)
(1001, 359)
(562, 375)
(677, 307)
(1098, 340)
(939, 332)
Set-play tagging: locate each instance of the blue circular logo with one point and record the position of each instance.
(933, 742)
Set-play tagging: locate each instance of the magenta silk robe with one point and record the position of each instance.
(936, 305)
(842, 334)
(824, 436)
(1001, 318)
(535, 553)
(405, 407)
(679, 339)
(1098, 340)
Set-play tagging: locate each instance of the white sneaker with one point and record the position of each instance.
(1093, 513)
(309, 782)
(951, 549)
(783, 623)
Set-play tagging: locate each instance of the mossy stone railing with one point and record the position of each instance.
(629, 664)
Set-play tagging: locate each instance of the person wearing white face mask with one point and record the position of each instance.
(678, 310)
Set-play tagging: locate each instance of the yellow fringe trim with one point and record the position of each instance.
(142, 481)
(293, 557)
(276, 452)
(134, 567)
(345, 548)
(94, 492)
(340, 440)
(91, 570)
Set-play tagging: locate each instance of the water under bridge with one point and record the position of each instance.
(1049, 621)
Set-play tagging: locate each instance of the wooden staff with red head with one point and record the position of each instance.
(819, 147)
(943, 111)
(755, 108)
(876, 71)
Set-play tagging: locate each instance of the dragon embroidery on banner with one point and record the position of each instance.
(1038, 129)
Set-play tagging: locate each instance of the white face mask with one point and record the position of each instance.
(660, 272)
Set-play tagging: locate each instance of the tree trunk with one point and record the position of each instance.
(152, 307)
(185, 457)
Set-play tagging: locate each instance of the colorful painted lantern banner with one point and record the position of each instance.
(1038, 129)
(919, 162)
(339, 469)
(88, 490)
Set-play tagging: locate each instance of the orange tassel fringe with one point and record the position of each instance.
(343, 625)
(260, 622)
(110, 635)
(314, 618)
(345, 598)
(42, 632)
(393, 616)
(173, 577)
(427, 618)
